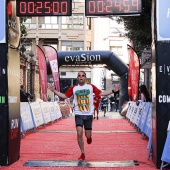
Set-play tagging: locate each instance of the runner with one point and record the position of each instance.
(97, 100)
(83, 106)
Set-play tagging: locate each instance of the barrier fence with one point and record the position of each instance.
(140, 115)
(38, 114)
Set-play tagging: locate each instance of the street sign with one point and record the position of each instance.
(163, 20)
(3, 21)
(146, 62)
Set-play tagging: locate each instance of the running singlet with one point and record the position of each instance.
(83, 98)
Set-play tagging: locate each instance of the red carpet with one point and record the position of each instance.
(113, 140)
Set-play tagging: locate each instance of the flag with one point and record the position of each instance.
(53, 60)
(133, 76)
(43, 72)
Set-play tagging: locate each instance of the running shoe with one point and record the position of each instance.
(82, 157)
(89, 140)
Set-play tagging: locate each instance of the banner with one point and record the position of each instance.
(26, 117)
(53, 60)
(166, 150)
(133, 76)
(43, 72)
(37, 114)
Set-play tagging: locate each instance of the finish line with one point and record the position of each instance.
(86, 164)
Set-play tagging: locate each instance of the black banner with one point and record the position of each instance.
(97, 57)
(3, 106)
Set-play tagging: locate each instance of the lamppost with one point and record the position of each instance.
(31, 54)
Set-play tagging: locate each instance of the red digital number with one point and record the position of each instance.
(47, 7)
(118, 5)
(109, 6)
(100, 6)
(91, 6)
(39, 7)
(135, 4)
(31, 7)
(64, 7)
(23, 7)
(55, 7)
(126, 6)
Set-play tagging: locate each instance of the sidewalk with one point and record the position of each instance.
(116, 145)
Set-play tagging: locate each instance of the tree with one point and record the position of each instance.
(139, 27)
(23, 28)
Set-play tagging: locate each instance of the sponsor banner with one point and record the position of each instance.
(52, 111)
(57, 110)
(148, 125)
(43, 72)
(133, 76)
(139, 112)
(163, 17)
(26, 117)
(144, 116)
(46, 112)
(130, 110)
(53, 60)
(3, 21)
(166, 150)
(37, 114)
(133, 113)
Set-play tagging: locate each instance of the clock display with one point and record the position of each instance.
(112, 7)
(44, 7)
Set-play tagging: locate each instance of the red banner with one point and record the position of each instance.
(133, 77)
(53, 60)
(43, 72)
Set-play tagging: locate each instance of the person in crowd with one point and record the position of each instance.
(83, 106)
(23, 95)
(96, 100)
(112, 102)
(144, 94)
(48, 98)
(104, 102)
(116, 99)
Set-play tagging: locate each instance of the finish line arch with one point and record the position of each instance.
(97, 57)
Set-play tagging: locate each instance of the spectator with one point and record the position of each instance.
(112, 102)
(116, 99)
(144, 94)
(23, 95)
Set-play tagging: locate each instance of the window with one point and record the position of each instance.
(63, 73)
(73, 22)
(117, 50)
(72, 45)
(29, 23)
(50, 22)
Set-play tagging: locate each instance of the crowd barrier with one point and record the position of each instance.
(140, 115)
(166, 151)
(38, 114)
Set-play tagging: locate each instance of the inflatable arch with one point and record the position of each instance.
(97, 57)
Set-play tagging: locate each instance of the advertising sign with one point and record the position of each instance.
(166, 151)
(163, 20)
(146, 61)
(37, 114)
(26, 117)
(3, 21)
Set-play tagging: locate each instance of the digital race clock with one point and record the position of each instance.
(112, 7)
(44, 7)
